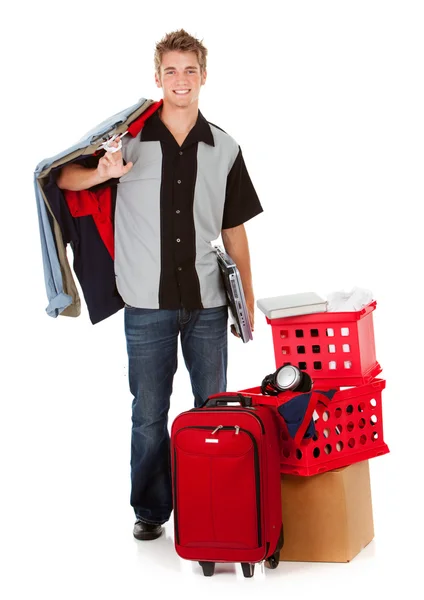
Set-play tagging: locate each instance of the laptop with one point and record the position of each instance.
(235, 294)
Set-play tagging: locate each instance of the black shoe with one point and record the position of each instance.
(147, 531)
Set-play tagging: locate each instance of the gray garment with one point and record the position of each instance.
(138, 219)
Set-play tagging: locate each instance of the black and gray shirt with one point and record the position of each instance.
(170, 206)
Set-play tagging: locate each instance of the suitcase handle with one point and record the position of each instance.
(226, 399)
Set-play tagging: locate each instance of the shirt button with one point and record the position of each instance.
(180, 153)
(178, 240)
(180, 268)
(179, 181)
(178, 212)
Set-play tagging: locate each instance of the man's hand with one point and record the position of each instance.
(250, 303)
(111, 165)
(77, 177)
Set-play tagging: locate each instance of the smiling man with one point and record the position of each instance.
(182, 183)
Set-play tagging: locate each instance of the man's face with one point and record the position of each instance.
(180, 78)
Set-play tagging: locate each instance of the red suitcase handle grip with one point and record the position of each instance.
(226, 399)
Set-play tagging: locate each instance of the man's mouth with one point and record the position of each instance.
(181, 92)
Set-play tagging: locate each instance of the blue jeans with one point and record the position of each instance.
(152, 336)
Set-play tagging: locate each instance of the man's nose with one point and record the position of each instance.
(181, 78)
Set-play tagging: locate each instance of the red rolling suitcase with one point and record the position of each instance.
(226, 483)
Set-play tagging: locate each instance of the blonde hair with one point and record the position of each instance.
(182, 41)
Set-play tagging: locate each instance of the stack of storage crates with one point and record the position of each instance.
(337, 349)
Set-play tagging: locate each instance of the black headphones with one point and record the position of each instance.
(286, 378)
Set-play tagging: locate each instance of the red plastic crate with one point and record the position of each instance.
(348, 430)
(335, 348)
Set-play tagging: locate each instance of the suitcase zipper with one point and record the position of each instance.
(257, 475)
(245, 410)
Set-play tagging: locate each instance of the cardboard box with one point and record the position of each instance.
(327, 517)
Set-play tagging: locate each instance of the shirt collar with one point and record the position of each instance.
(156, 131)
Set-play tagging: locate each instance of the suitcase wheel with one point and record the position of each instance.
(208, 568)
(248, 569)
(273, 561)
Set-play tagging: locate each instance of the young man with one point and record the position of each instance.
(182, 182)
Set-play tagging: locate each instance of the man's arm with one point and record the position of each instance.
(237, 246)
(76, 177)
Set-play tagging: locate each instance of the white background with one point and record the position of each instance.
(326, 100)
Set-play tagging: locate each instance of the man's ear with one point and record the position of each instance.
(204, 74)
(158, 81)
